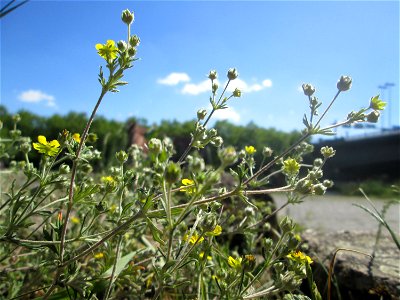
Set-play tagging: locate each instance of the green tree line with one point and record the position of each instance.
(113, 135)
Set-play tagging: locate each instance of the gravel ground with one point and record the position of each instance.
(332, 213)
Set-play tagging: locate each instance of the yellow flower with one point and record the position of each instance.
(113, 208)
(75, 220)
(195, 238)
(235, 263)
(250, 150)
(107, 179)
(108, 51)
(217, 231)
(291, 167)
(300, 257)
(99, 255)
(45, 147)
(188, 186)
(201, 255)
(76, 137)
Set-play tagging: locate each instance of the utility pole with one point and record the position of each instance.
(389, 86)
(382, 89)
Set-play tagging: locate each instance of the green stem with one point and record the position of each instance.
(272, 162)
(117, 254)
(326, 110)
(71, 190)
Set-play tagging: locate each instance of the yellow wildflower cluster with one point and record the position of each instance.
(250, 150)
(188, 186)
(99, 255)
(300, 257)
(195, 238)
(217, 231)
(45, 147)
(235, 263)
(201, 255)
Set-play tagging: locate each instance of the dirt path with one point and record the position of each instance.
(332, 213)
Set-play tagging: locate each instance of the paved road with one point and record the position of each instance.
(332, 213)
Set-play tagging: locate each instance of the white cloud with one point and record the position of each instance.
(229, 114)
(267, 83)
(249, 88)
(36, 96)
(195, 89)
(190, 88)
(174, 78)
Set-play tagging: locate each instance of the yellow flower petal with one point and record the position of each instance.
(187, 181)
(54, 144)
(42, 139)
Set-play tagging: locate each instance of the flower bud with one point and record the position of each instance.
(212, 132)
(15, 133)
(249, 263)
(127, 17)
(344, 83)
(168, 144)
(214, 87)
(121, 156)
(319, 189)
(249, 211)
(91, 138)
(155, 146)
(328, 152)
(209, 223)
(232, 74)
(267, 152)
(122, 46)
(25, 147)
(242, 154)
(328, 183)
(308, 89)
(132, 51)
(266, 227)
(217, 141)
(267, 243)
(201, 114)
(64, 169)
(172, 172)
(286, 224)
(134, 41)
(213, 75)
(228, 156)
(318, 162)
(16, 118)
(1, 125)
(86, 168)
(373, 116)
(237, 93)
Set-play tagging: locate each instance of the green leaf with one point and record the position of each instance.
(155, 231)
(83, 193)
(120, 266)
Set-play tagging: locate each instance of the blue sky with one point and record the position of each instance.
(49, 63)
